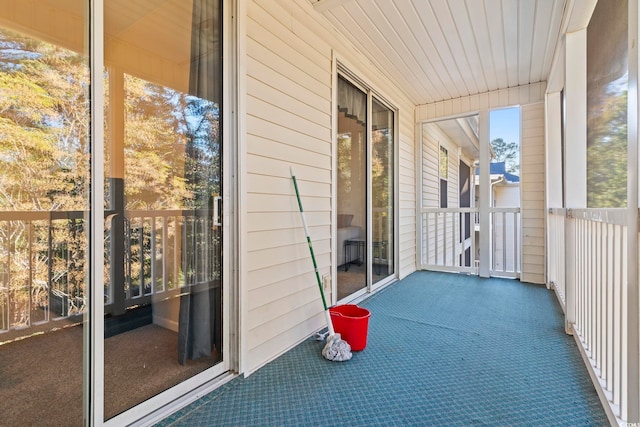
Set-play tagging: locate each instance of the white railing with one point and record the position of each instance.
(596, 272)
(505, 242)
(43, 262)
(443, 249)
(556, 253)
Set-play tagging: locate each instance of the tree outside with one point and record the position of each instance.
(507, 152)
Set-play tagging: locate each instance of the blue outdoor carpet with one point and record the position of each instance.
(442, 350)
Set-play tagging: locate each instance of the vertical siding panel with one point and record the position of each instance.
(533, 194)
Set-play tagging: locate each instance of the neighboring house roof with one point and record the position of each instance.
(499, 169)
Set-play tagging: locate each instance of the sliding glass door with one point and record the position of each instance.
(45, 171)
(163, 176)
(382, 191)
(352, 224)
(160, 281)
(365, 190)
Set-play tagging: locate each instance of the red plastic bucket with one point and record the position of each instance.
(352, 323)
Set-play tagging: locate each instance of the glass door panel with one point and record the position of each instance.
(382, 195)
(352, 190)
(44, 204)
(163, 287)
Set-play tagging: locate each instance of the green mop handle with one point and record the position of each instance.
(306, 232)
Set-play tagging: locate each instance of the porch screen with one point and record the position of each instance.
(607, 85)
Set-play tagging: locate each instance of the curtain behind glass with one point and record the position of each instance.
(352, 101)
(200, 307)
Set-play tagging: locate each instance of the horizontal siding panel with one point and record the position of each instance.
(282, 118)
(532, 251)
(258, 47)
(276, 273)
(281, 203)
(265, 130)
(534, 214)
(281, 168)
(287, 102)
(535, 240)
(261, 221)
(533, 264)
(533, 148)
(296, 155)
(269, 239)
(534, 161)
(263, 352)
(534, 195)
(530, 223)
(284, 185)
(272, 328)
(270, 312)
(287, 27)
(532, 277)
(315, 95)
(274, 292)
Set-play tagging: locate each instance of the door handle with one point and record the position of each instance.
(217, 210)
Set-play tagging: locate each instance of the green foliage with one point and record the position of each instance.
(607, 152)
(507, 152)
(170, 151)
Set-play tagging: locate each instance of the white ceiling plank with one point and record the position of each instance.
(458, 52)
(541, 31)
(480, 27)
(493, 13)
(388, 31)
(439, 75)
(470, 42)
(526, 25)
(430, 21)
(553, 37)
(511, 42)
(441, 50)
(352, 20)
(423, 69)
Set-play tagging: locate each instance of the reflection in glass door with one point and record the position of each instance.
(45, 228)
(352, 189)
(163, 290)
(382, 191)
(365, 223)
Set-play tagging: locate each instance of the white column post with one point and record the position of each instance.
(484, 198)
(553, 173)
(419, 191)
(553, 118)
(576, 163)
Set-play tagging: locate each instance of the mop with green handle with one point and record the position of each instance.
(336, 349)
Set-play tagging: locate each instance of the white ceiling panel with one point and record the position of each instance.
(445, 49)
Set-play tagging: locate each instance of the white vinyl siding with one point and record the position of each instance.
(406, 192)
(432, 139)
(288, 122)
(533, 193)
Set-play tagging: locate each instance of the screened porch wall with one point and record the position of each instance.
(529, 98)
